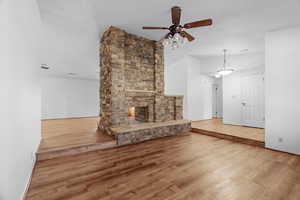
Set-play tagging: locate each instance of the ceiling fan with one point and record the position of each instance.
(176, 29)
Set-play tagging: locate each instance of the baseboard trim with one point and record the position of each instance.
(32, 171)
(69, 118)
(281, 151)
(230, 137)
(29, 181)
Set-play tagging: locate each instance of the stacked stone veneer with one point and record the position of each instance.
(143, 132)
(132, 75)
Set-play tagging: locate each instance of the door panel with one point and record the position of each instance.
(217, 100)
(252, 101)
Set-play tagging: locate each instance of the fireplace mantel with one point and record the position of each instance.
(141, 91)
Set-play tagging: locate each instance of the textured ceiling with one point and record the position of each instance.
(73, 27)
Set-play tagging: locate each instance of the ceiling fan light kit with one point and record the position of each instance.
(175, 41)
(177, 35)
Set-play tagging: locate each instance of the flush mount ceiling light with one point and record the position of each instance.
(224, 71)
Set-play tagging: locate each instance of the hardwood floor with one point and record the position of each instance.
(216, 126)
(189, 167)
(61, 137)
(67, 133)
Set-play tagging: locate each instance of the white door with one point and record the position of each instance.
(252, 101)
(215, 100)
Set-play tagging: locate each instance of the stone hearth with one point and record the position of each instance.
(148, 131)
(132, 76)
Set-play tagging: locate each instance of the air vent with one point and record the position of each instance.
(45, 66)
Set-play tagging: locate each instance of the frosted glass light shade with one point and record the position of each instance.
(217, 75)
(225, 72)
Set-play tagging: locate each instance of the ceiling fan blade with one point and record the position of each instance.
(153, 27)
(187, 35)
(176, 14)
(206, 22)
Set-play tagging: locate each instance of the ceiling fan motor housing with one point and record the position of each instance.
(175, 28)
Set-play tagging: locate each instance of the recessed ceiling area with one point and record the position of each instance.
(72, 28)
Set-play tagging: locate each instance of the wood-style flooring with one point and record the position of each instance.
(62, 137)
(215, 127)
(66, 133)
(188, 167)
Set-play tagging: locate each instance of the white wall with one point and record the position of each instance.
(64, 97)
(199, 92)
(176, 81)
(282, 90)
(184, 77)
(20, 107)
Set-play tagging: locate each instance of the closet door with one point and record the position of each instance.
(252, 101)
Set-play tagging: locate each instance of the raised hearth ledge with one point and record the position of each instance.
(129, 134)
(136, 127)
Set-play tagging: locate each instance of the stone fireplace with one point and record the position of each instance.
(132, 85)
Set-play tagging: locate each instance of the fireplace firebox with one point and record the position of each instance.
(138, 114)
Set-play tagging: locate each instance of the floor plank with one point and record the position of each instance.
(73, 132)
(192, 166)
(217, 125)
